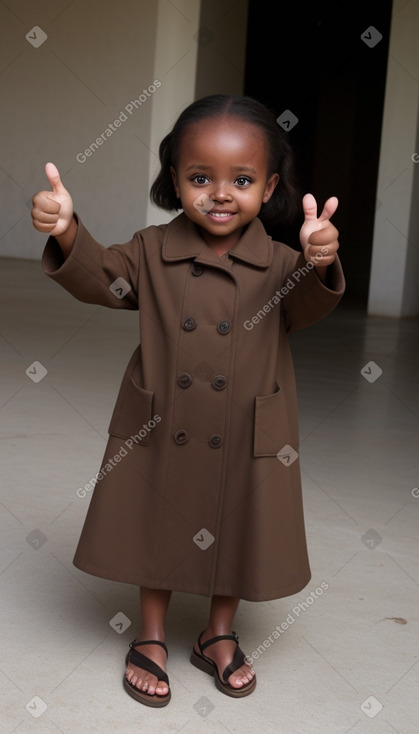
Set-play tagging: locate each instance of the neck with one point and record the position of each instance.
(220, 244)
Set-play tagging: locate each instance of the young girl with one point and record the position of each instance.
(199, 490)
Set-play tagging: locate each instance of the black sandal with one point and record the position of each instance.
(209, 666)
(137, 658)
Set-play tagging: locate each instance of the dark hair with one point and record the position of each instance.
(285, 200)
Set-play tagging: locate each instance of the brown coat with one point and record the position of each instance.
(200, 487)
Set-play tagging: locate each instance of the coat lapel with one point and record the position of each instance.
(183, 241)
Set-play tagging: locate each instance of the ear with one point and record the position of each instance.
(175, 183)
(270, 186)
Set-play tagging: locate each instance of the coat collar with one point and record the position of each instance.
(182, 241)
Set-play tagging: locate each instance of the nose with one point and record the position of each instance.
(221, 192)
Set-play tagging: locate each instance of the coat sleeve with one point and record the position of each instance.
(92, 273)
(307, 299)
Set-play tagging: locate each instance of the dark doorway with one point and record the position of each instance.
(309, 58)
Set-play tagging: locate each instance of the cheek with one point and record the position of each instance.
(252, 197)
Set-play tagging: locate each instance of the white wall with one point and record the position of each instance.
(394, 281)
(59, 97)
(175, 64)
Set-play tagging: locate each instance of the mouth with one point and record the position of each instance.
(220, 216)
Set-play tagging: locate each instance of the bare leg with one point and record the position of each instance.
(154, 606)
(223, 610)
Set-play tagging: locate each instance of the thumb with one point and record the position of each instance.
(53, 176)
(310, 208)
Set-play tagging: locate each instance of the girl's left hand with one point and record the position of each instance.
(318, 236)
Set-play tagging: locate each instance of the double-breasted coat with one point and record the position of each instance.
(200, 489)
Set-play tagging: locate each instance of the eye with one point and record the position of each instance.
(200, 178)
(243, 181)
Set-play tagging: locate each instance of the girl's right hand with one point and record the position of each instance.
(52, 211)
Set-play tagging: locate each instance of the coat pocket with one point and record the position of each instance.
(132, 413)
(271, 426)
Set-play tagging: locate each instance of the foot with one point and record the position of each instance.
(143, 680)
(221, 653)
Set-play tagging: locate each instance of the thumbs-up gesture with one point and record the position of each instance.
(52, 211)
(318, 236)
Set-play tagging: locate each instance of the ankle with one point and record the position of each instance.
(216, 630)
(151, 633)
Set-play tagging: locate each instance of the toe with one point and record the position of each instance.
(162, 689)
(241, 677)
(147, 684)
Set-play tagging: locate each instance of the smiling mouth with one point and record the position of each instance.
(220, 215)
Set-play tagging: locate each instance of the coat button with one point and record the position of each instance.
(189, 323)
(219, 382)
(224, 326)
(197, 269)
(181, 436)
(215, 441)
(184, 380)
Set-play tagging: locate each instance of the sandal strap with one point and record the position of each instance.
(135, 644)
(137, 658)
(238, 659)
(203, 645)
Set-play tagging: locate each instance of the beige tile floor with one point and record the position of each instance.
(347, 658)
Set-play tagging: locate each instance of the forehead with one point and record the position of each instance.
(228, 140)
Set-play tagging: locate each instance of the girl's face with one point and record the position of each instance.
(221, 178)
